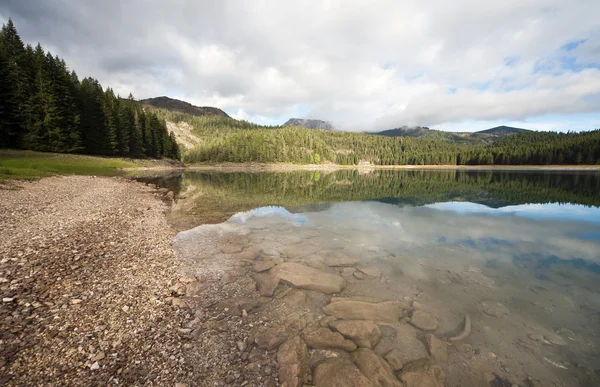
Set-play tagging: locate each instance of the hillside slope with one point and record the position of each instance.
(182, 106)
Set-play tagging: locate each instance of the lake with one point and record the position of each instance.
(518, 252)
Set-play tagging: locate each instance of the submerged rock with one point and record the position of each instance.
(292, 358)
(270, 338)
(423, 320)
(261, 266)
(394, 359)
(423, 373)
(364, 333)
(324, 338)
(266, 283)
(436, 347)
(308, 278)
(340, 373)
(370, 271)
(338, 259)
(387, 311)
(494, 309)
(377, 370)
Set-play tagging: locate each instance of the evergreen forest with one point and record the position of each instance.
(224, 139)
(45, 107)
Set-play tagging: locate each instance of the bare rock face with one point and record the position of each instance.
(394, 359)
(292, 358)
(387, 311)
(377, 370)
(266, 283)
(271, 338)
(340, 373)
(423, 373)
(436, 347)
(423, 320)
(324, 338)
(365, 334)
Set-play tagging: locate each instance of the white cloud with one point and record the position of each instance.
(361, 64)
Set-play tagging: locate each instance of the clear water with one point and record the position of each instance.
(519, 252)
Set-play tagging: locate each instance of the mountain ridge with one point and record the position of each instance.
(164, 102)
(309, 123)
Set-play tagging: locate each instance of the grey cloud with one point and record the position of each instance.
(265, 58)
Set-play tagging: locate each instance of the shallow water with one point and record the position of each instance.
(517, 252)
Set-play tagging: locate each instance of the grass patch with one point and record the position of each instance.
(16, 164)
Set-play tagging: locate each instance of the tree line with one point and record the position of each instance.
(228, 140)
(45, 107)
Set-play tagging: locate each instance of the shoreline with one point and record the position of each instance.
(257, 167)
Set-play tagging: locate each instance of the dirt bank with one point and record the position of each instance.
(85, 270)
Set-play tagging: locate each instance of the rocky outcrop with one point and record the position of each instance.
(377, 370)
(339, 373)
(365, 334)
(387, 311)
(305, 277)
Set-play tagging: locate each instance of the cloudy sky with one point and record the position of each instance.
(362, 64)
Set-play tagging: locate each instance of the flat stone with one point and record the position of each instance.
(423, 320)
(261, 266)
(423, 373)
(324, 338)
(338, 259)
(359, 275)
(394, 359)
(347, 272)
(494, 309)
(292, 360)
(194, 288)
(266, 283)
(324, 322)
(270, 338)
(387, 311)
(305, 277)
(370, 271)
(364, 333)
(377, 370)
(178, 302)
(318, 356)
(340, 373)
(436, 347)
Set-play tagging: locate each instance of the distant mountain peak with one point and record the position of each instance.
(309, 123)
(503, 130)
(182, 106)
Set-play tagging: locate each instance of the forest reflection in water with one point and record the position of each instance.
(212, 197)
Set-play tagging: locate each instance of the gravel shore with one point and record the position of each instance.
(86, 276)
